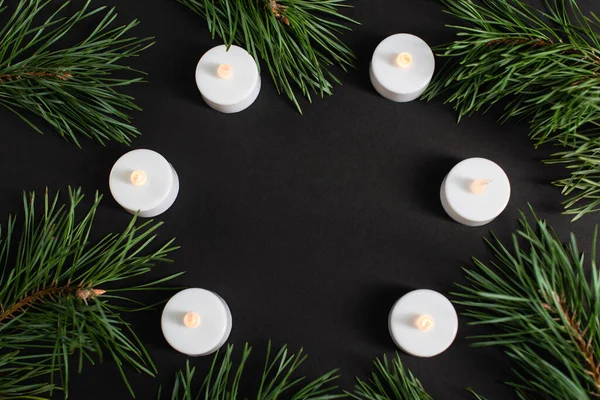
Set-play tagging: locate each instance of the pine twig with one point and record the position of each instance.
(279, 11)
(276, 381)
(32, 298)
(83, 294)
(64, 76)
(74, 89)
(52, 304)
(537, 296)
(579, 337)
(389, 381)
(546, 64)
(582, 188)
(297, 40)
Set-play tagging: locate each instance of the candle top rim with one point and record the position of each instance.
(405, 333)
(477, 207)
(408, 79)
(155, 190)
(238, 86)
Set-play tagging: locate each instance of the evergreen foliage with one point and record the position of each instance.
(543, 298)
(543, 66)
(297, 39)
(73, 88)
(390, 381)
(62, 294)
(277, 379)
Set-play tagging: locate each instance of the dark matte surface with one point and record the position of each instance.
(309, 226)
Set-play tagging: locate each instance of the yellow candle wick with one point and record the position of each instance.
(404, 59)
(138, 178)
(425, 323)
(191, 320)
(224, 71)
(479, 186)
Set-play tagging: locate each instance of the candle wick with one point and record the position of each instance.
(404, 59)
(224, 71)
(138, 177)
(479, 186)
(191, 319)
(425, 323)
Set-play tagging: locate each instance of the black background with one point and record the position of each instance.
(310, 226)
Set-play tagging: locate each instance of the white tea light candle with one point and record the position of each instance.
(143, 181)
(423, 323)
(196, 322)
(228, 79)
(475, 191)
(402, 67)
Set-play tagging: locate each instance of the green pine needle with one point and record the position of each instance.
(583, 186)
(543, 298)
(18, 375)
(277, 381)
(390, 381)
(297, 39)
(63, 295)
(544, 66)
(74, 89)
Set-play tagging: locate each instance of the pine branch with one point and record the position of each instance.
(74, 89)
(390, 381)
(297, 39)
(223, 379)
(583, 186)
(83, 294)
(544, 303)
(63, 76)
(33, 297)
(51, 303)
(579, 337)
(16, 374)
(545, 65)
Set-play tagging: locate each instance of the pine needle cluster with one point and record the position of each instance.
(543, 298)
(276, 381)
(544, 67)
(297, 39)
(73, 88)
(61, 296)
(389, 381)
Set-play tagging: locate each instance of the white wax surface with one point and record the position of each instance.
(213, 330)
(406, 311)
(159, 191)
(468, 208)
(238, 91)
(402, 83)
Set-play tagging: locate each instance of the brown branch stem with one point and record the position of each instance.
(278, 11)
(63, 76)
(584, 345)
(536, 43)
(82, 293)
(515, 41)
